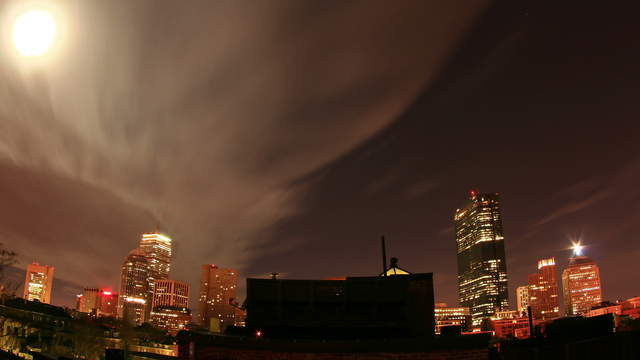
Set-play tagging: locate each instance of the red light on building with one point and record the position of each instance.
(107, 304)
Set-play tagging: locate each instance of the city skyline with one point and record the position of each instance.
(514, 98)
(539, 283)
(319, 179)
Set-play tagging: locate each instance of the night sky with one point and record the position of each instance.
(289, 136)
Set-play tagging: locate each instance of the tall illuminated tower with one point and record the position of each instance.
(157, 249)
(543, 291)
(217, 288)
(134, 288)
(581, 283)
(482, 269)
(38, 282)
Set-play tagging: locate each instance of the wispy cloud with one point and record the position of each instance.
(420, 188)
(575, 206)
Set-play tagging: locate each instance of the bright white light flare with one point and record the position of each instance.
(34, 32)
(577, 249)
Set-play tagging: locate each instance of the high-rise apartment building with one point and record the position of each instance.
(522, 298)
(581, 283)
(157, 249)
(482, 269)
(134, 288)
(543, 291)
(38, 283)
(217, 289)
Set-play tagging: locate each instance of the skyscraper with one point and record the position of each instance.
(217, 288)
(581, 283)
(482, 269)
(134, 288)
(38, 282)
(522, 298)
(157, 249)
(543, 293)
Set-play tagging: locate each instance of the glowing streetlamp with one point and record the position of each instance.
(34, 33)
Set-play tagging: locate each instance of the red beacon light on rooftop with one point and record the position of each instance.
(473, 193)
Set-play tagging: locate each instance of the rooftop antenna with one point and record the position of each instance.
(384, 258)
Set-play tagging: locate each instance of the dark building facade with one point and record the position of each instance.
(357, 307)
(482, 269)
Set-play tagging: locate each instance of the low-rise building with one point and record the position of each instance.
(452, 316)
(171, 318)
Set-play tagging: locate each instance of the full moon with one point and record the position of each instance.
(34, 32)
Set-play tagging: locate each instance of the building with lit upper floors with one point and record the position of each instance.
(451, 316)
(522, 298)
(134, 288)
(543, 291)
(38, 283)
(157, 248)
(581, 284)
(482, 269)
(217, 290)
